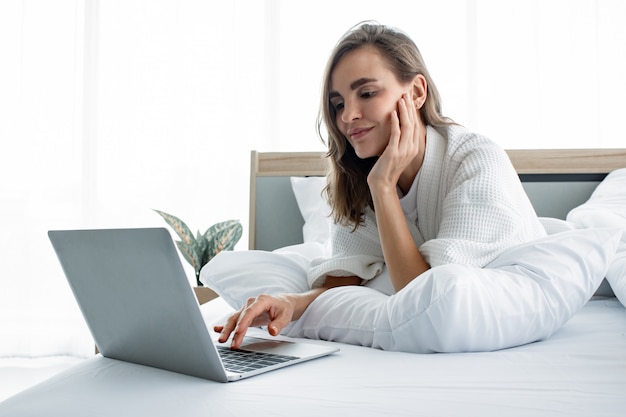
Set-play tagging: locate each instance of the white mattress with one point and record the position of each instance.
(580, 371)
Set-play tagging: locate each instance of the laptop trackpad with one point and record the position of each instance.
(277, 347)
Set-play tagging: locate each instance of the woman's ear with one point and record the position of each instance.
(420, 90)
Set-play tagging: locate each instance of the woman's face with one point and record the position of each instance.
(364, 93)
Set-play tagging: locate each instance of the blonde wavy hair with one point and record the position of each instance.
(347, 190)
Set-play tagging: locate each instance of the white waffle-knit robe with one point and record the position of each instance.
(471, 206)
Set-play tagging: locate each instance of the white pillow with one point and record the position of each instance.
(525, 295)
(313, 207)
(239, 275)
(616, 276)
(554, 225)
(606, 207)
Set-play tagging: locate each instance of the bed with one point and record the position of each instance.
(579, 370)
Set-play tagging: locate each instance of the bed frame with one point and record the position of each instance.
(556, 181)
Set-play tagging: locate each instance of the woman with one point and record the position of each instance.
(409, 188)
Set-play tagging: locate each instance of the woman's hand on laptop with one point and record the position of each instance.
(274, 311)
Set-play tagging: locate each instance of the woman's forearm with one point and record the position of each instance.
(402, 256)
(301, 302)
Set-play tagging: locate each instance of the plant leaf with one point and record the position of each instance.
(188, 245)
(190, 255)
(222, 236)
(203, 246)
(179, 227)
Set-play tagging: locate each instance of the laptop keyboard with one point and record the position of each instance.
(240, 361)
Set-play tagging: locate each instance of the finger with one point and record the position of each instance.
(407, 122)
(413, 108)
(278, 324)
(395, 129)
(417, 127)
(232, 323)
(226, 329)
(249, 315)
(409, 141)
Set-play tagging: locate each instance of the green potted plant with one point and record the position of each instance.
(198, 250)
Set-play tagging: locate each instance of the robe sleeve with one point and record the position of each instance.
(355, 253)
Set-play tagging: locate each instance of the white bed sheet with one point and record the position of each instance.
(18, 374)
(580, 371)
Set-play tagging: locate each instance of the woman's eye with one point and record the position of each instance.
(368, 94)
(338, 105)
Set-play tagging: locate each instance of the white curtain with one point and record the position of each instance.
(109, 109)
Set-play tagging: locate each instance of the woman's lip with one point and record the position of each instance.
(358, 132)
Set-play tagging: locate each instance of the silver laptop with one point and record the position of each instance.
(136, 299)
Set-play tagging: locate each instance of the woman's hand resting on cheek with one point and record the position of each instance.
(401, 159)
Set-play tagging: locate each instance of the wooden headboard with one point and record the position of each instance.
(556, 181)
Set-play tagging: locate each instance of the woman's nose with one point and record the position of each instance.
(351, 112)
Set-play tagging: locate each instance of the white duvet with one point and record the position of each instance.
(525, 295)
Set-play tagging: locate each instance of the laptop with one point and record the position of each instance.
(139, 306)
